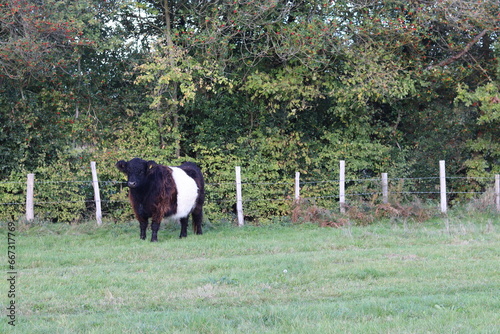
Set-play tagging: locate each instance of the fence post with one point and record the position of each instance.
(30, 185)
(297, 186)
(342, 186)
(497, 191)
(97, 196)
(239, 197)
(442, 185)
(385, 189)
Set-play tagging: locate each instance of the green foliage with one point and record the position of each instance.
(485, 147)
(33, 130)
(44, 89)
(288, 88)
(13, 196)
(269, 180)
(373, 74)
(217, 165)
(275, 87)
(441, 128)
(61, 192)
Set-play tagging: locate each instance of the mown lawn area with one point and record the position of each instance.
(440, 276)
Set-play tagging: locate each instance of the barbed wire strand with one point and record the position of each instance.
(113, 182)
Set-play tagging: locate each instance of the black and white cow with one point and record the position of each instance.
(157, 191)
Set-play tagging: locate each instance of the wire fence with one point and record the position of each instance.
(211, 187)
(74, 200)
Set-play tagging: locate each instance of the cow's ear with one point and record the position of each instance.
(122, 166)
(151, 165)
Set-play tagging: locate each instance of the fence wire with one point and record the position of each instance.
(103, 184)
(50, 194)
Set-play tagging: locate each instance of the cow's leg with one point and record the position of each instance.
(197, 220)
(155, 227)
(143, 224)
(184, 226)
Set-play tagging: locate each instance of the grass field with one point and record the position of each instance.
(441, 276)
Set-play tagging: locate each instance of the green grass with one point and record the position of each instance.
(436, 277)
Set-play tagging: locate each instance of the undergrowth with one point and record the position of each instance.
(368, 212)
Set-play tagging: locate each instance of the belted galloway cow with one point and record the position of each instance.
(157, 191)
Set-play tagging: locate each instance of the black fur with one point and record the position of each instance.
(153, 194)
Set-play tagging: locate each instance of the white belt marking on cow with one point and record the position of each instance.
(187, 192)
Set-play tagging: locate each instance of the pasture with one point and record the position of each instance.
(442, 276)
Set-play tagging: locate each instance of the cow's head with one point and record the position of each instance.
(136, 170)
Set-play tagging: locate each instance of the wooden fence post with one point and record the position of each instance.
(30, 212)
(239, 197)
(385, 189)
(342, 186)
(297, 186)
(442, 185)
(97, 196)
(497, 191)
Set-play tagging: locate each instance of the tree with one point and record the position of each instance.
(36, 51)
(34, 47)
(372, 82)
(347, 63)
(57, 81)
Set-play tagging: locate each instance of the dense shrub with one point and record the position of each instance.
(64, 192)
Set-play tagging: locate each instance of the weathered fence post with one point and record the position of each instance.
(385, 189)
(97, 196)
(297, 186)
(497, 191)
(30, 185)
(342, 186)
(442, 185)
(239, 197)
